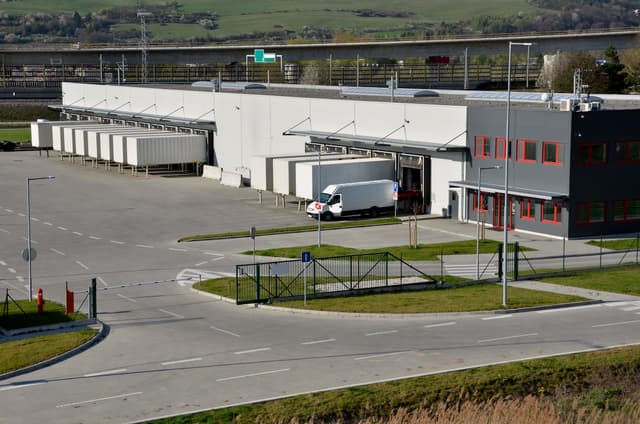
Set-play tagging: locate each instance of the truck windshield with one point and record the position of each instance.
(323, 197)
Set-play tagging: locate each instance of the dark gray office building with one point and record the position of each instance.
(571, 173)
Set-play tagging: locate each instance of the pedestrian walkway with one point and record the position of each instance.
(575, 291)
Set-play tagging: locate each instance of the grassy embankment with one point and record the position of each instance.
(16, 354)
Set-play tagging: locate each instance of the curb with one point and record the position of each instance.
(102, 333)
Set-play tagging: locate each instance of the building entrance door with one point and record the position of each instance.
(498, 211)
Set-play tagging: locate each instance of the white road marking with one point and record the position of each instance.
(49, 224)
(318, 342)
(127, 298)
(21, 214)
(82, 265)
(116, 242)
(382, 355)
(253, 375)
(446, 232)
(109, 372)
(62, 228)
(507, 337)
(224, 331)
(11, 270)
(9, 210)
(442, 324)
(95, 238)
(20, 278)
(631, 308)
(3, 263)
(260, 349)
(77, 233)
(201, 263)
(146, 246)
(177, 250)
(172, 314)
(84, 402)
(57, 251)
(103, 282)
(573, 308)
(212, 253)
(181, 361)
(217, 259)
(32, 240)
(497, 317)
(35, 219)
(611, 324)
(4, 231)
(616, 304)
(22, 385)
(379, 333)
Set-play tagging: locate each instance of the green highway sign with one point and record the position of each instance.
(259, 56)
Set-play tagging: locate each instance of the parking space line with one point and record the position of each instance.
(77, 233)
(35, 219)
(9, 210)
(95, 238)
(256, 374)
(3, 263)
(62, 228)
(4, 231)
(382, 355)
(225, 331)
(104, 283)
(11, 270)
(21, 214)
(22, 385)
(181, 361)
(314, 342)
(48, 223)
(380, 333)
(260, 349)
(507, 337)
(611, 324)
(84, 402)
(116, 242)
(201, 263)
(497, 317)
(109, 372)
(146, 246)
(177, 250)
(442, 324)
(127, 298)
(82, 265)
(57, 251)
(172, 314)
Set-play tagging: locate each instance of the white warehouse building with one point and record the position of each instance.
(426, 141)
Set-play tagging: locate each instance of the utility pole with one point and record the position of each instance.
(143, 44)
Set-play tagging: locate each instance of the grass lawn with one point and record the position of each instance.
(424, 252)
(342, 224)
(577, 379)
(621, 244)
(478, 297)
(53, 313)
(17, 135)
(21, 353)
(623, 280)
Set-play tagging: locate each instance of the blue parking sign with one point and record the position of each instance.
(306, 256)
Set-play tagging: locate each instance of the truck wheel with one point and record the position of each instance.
(374, 212)
(327, 216)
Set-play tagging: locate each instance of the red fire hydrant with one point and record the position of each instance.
(40, 301)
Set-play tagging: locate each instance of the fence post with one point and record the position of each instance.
(237, 283)
(93, 310)
(637, 238)
(564, 238)
(441, 266)
(386, 268)
(601, 250)
(401, 263)
(500, 259)
(516, 251)
(257, 282)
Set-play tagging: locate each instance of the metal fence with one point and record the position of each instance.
(372, 75)
(321, 277)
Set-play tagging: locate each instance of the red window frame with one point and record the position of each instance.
(589, 160)
(588, 219)
(501, 148)
(627, 151)
(527, 209)
(557, 212)
(483, 201)
(557, 161)
(482, 147)
(522, 149)
(625, 216)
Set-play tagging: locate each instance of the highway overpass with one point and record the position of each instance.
(180, 54)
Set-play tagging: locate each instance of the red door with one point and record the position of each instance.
(498, 211)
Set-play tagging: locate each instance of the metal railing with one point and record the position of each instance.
(322, 277)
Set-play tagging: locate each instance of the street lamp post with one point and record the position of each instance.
(318, 195)
(29, 179)
(478, 218)
(507, 153)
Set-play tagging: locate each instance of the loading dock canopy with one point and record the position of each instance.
(378, 143)
(513, 191)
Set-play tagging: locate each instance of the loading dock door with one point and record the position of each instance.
(415, 182)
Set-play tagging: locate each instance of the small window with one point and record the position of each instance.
(527, 150)
(527, 209)
(551, 153)
(484, 204)
(500, 148)
(551, 212)
(482, 146)
(626, 210)
(590, 212)
(592, 153)
(628, 151)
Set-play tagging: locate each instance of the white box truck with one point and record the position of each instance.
(363, 197)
